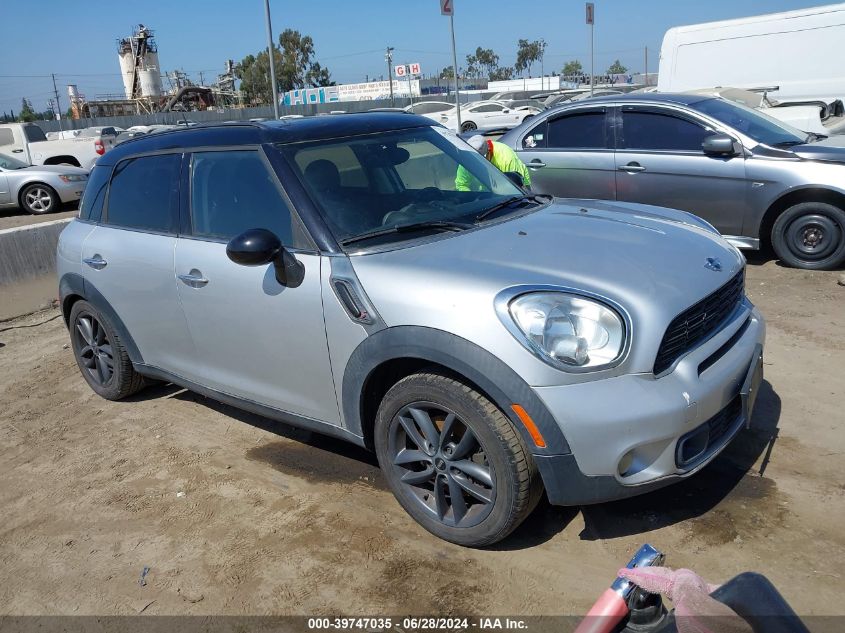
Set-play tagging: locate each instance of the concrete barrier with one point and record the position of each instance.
(28, 267)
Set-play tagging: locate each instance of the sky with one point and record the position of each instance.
(77, 40)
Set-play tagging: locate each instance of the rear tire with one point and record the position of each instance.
(810, 235)
(468, 126)
(100, 354)
(39, 199)
(453, 460)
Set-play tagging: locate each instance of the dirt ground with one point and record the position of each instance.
(279, 521)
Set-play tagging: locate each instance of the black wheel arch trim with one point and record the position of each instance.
(495, 378)
(73, 284)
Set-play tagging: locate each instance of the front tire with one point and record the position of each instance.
(100, 354)
(39, 199)
(454, 462)
(810, 235)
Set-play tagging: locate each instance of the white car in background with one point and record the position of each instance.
(486, 115)
(430, 109)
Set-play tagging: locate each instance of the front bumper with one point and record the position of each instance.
(70, 192)
(624, 432)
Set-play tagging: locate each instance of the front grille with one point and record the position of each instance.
(695, 324)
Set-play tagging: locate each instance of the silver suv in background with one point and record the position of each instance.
(756, 179)
(487, 344)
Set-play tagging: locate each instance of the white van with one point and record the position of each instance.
(799, 52)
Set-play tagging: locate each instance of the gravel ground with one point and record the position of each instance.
(274, 520)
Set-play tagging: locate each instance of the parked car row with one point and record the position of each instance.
(759, 181)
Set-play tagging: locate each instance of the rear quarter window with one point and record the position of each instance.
(91, 207)
(144, 193)
(33, 133)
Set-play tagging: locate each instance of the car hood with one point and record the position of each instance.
(648, 260)
(831, 149)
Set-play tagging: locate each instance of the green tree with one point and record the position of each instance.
(528, 53)
(502, 73)
(487, 60)
(295, 68)
(447, 73)
(318, 76)
(27, 114)
(473, 69)
(616, 68)
(572, 68)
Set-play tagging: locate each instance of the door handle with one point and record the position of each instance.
(632, 168)
(536, 163)
(194, 279)
(96, 262)
(17, 151)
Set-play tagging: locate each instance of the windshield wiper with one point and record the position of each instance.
(539, 198)
(789, 143)
(812, 137)
(442, 225)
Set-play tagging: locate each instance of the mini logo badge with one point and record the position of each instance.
(713, 263)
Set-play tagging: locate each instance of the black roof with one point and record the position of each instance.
(285, 131)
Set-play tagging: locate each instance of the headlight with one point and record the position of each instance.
(73, 177)
(568, 330)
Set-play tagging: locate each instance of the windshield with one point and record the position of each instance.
(753, 123)
(7, 162)
(366, 184)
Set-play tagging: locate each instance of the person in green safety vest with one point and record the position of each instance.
(502, 156)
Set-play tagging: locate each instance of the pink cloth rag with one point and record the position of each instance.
(695, 610)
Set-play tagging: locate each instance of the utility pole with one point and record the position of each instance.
(410, 90)
(646, 67)
(58, 105)
(271, 50)
(591, 18)
(454, 62)
(202, 83)
(542, 71)
(389, 58)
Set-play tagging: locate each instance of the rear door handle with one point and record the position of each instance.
(96, 262)
(17, 151)
(632, 168)
(194, 279)
(536, 163)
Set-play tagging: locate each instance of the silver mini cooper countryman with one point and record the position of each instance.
(487, 344)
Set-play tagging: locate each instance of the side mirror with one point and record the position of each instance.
(516, 178)
(505, 111)
(257, 247)
(720, 145)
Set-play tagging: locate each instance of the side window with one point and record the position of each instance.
(536, 138)
(91, 207)
(582, 130)
(144, 193)
(348, 167)
(656, 131)
(233, 191)
(488, 107)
